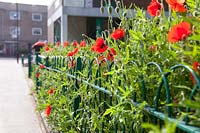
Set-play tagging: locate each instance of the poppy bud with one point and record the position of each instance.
(195, 13)
(101, 9)
(109, 9)
(162, 28)
(124, 14)
(117, 9)
(117, 3)
(144, 35)
(109, 2)
(101, 3)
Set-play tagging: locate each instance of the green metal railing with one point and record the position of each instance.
(55, 63)
(22, 59)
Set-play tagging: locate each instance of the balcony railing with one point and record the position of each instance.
(84, 3)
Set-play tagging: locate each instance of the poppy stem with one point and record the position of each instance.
(170, 12)
(162, 10)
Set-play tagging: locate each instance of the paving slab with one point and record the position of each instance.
(17, 107)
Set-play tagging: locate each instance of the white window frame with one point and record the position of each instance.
(14, 15)
(40, 29)
(36, 14)
(15, 31)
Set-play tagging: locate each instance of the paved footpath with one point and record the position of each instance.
(17, 108)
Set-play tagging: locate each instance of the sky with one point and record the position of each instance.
(34, 2)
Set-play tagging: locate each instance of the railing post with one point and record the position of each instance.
(37, 73)
(29, 65)
(29, 60)
(77, 100)
(36, 80)
(47, 64)
(22, 59)
(37, 59)
(143, 88)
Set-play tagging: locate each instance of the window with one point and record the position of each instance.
(1, 48)
(36, 31)
(14, 15)
(14, 31)
(37, 17)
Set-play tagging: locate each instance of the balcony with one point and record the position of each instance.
(78, 3)
(84, 3)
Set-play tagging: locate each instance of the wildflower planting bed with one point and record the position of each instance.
(141, 76)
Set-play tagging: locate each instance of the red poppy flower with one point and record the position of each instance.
(75, 43)
(99, 46)
(112, 50)
(93, 48)
(101, 59)
(57, 43)
(47, 48)
(117, 34)
(51, 91)
(179, 32)
(65, 44)
(177, 5)
(71, 64)
(48, 110)
(37, 74)
(42, 66)
(73, 52)
(82, 44)
(70, 54)
(111, 54)
(152, 48)
(154, 8)
(196, 66)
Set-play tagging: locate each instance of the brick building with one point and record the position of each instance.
(20, 25)
(69, 19)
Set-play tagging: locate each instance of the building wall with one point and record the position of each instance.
(25, 23)
(76, 27)
(74, 3)
(56, 4)
(54, 13)
(73, 9)
(51, 33)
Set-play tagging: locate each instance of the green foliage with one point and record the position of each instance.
(102, 96)
(169, 127)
